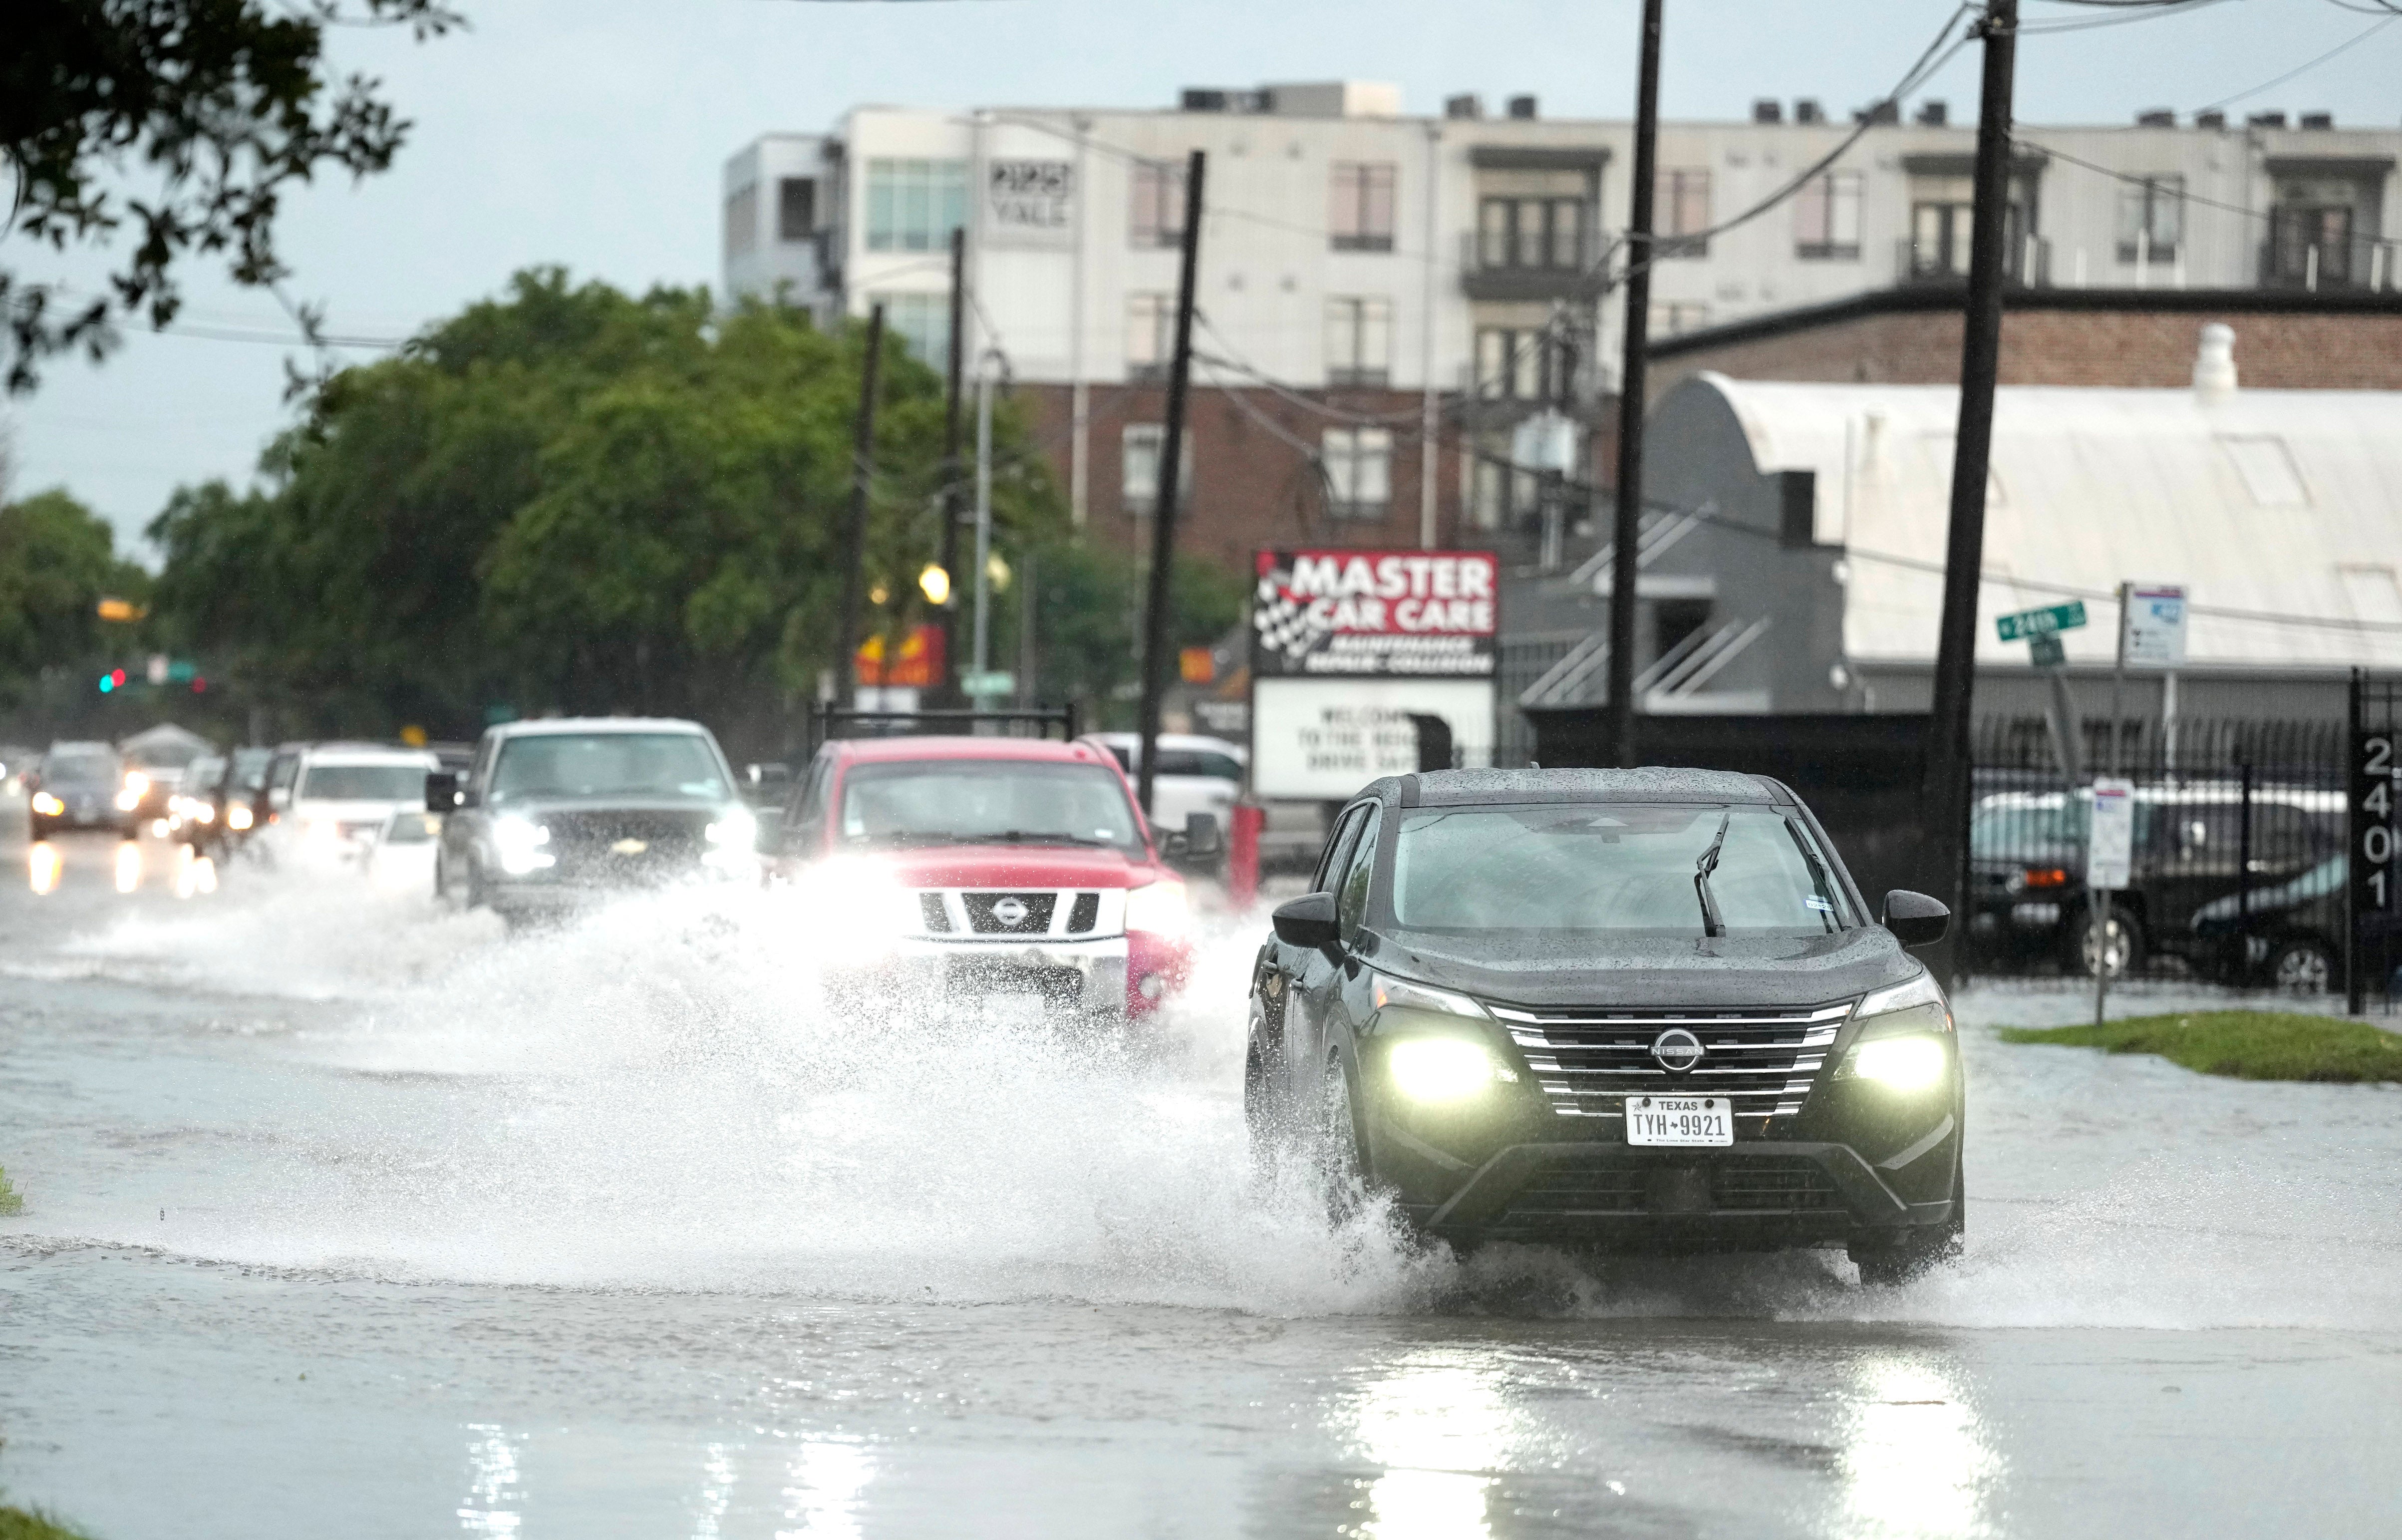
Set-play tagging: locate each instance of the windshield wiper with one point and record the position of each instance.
(1027, 836)
(1822, 881)
(1711, 923)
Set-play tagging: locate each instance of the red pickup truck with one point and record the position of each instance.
(990, 865)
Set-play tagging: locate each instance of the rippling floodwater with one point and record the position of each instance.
(624, 1229)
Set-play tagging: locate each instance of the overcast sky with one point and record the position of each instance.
(590, 132)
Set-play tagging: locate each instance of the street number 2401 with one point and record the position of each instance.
(2376, 837)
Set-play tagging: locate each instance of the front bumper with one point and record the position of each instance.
(1081, 975)
(1755, 1195)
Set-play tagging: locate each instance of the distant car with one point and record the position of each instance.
(192, 805)
(1195, 775)
(342, 793)
(555, 815)
(401, 860)
(79, 785)
(2026, 855)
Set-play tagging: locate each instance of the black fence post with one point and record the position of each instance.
(2243, 877)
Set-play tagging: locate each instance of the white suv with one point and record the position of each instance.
(338, 796)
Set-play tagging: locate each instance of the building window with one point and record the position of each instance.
(1150, 334)
(913, 205)
(1362, 218)
(1523, 363)
(1499, 493)
(2152, 219)
(1138, 451)
(1531, 232)
(796, 208)
(1358, 341)
(743, 221)
(1358, 472)
(923, 321)
(1158, 204)
(1679, 315)
(1826, 218)
(1680, 206)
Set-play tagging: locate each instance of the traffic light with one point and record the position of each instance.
(113, 681)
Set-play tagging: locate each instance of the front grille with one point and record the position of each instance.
(1085, 915)
(1032, 912)
(1621, 1184)
(625, 847)
(1764, 1060)
(930, 913)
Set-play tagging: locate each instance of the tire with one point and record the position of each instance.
(2302, 967)
(1889, 1261)
(1268, 1114)
(1344, 1172)
(2127, 932)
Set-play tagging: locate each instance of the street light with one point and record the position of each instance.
(936, 584)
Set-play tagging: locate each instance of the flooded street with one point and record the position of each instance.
(346, 1215)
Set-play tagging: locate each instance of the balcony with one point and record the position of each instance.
(2026, 262)
(1561, 266)
(2294, 258)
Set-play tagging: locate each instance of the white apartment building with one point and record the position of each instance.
(1442, 277)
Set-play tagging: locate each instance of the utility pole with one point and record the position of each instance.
(854, 535)
(984, 517)
(1171, 465)
(947, 687)
(1627, 526)
(1949, 771)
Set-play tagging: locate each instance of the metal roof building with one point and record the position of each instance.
(1792, 557)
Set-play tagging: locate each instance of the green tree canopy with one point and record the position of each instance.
(58, 560)
(572, 499)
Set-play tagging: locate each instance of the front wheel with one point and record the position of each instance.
(1268, 1112)
(2302, 967)
(1344, 1173)
(2119, 947)
(1891, 1261)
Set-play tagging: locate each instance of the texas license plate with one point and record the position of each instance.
(1679, 1121)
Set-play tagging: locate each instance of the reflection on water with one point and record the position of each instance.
(716, 1492)
(1915, 1460)
(1440, 1428)
(194, 872)
(824, 1499)
(42, 867)
(493, 1496)
(129, 865)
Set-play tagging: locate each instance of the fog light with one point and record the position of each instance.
(1439, 1069)
(1153, 986)
(1904, 1064)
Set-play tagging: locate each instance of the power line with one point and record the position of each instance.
(2362, 36)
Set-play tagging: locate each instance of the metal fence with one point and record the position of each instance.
(2238, 874)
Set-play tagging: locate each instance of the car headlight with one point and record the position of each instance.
(237, 816)
(136, 784)
(127, 800)
(47, 805)
(519, 840)
(1400, 994)
(737, 829)
(1158, 908)
(1441, 1069)
(1904, 1039)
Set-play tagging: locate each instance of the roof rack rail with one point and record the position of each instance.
(827, 722)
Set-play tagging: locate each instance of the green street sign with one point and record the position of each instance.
(992, 683)
(2042, 622)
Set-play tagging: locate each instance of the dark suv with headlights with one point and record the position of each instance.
(1618, 1010)
(553, 814)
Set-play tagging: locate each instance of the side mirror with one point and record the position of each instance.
(1307, 921)
(1915, 919)
(1198, 840)
(441, 791)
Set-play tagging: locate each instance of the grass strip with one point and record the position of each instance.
(18, 1524)
(10, 1203)
(2245, 1044)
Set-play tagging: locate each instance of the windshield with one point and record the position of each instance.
(204, 772)
(363, 783)
(2005, 829)
(250, 766)
(411, 828)
(951, 801)
(162, 755)
(79, 767)
(578, 765)
(1625, 868)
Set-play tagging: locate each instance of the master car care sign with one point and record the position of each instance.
(1368, 663)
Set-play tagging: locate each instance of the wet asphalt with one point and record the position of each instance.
(347, 1216)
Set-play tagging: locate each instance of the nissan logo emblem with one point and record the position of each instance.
(1677, 1050)
(1013, 912)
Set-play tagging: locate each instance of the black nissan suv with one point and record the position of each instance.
(1617, 1009)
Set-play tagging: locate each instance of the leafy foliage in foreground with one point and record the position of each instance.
(10, 1203)
(179, 123)
(18, 1524)
(2247, 1045)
